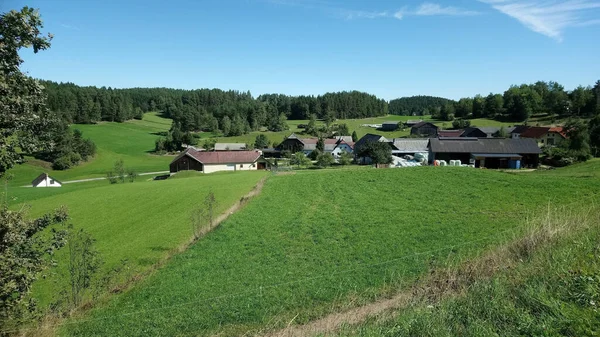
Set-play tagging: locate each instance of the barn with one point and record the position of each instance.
(486, 152)
(44, 180)
(209, 162)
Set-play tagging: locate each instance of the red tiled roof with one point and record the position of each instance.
(535, 132)
(560, 130)
(224, 157)
(450, 133)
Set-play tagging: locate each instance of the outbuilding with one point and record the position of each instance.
(44, 180)
(486, 152)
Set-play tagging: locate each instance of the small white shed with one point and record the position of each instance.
(44, 180)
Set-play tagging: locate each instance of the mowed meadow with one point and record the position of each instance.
(141, 222)
(319, 241)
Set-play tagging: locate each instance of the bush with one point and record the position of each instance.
(314, 155)
(325, 159)
(61, 163)
(66, 161)
(345, 158)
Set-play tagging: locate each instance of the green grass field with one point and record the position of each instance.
(131, 141)
(141, 222)
(554, 292)
(318, 241)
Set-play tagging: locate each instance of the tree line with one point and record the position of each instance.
(231, 112)
(519, 103)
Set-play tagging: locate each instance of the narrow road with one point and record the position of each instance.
(104, 178)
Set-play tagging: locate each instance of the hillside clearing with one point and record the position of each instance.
(131, 141)
(319, 242)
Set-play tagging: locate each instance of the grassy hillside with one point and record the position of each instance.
(131, 141)
(318, 241)
(555, 291)
(140, 222)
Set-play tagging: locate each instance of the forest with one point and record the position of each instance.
(416, 105)
(231, 112)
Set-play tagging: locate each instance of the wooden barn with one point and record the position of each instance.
(209, 162)
(424, 129)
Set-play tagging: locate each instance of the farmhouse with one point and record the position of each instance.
(230, 147)
(307, 145)
(517, 131)
(389, 126)
(545, 135)
(208, 162)
(486, 152)
(424, 129)
(44, 180)
(342, 146)
(369, 137)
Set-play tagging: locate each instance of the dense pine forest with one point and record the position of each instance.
(231, 112)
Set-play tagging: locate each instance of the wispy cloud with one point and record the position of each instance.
(69, 26)
(549, 17)
(425, 9)
(430, 9)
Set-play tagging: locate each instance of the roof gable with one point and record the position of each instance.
(41, 178)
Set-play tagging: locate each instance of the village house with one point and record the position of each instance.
(545, 136)
(44, 180)
(342, 146)
(486, 152)
(295, 144)
(517, 131)
(424, 129)
(214, 161)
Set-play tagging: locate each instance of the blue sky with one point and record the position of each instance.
(388, 48)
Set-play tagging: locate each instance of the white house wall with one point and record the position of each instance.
(230, 167)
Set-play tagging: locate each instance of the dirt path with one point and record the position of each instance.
(236, 207)
(104, 178)
(334, 321)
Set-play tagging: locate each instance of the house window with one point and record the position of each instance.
(241, 165)
(51, 181)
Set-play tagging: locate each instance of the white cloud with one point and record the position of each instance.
(69, 26)
(432, 9)
(548, 17)
(425, 9)
(428, 9)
